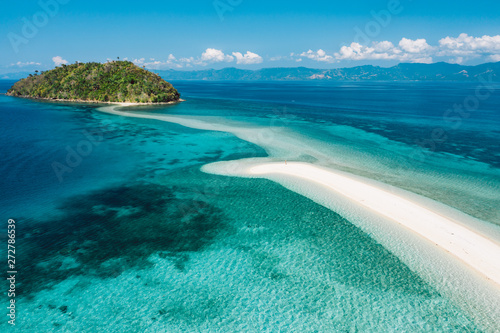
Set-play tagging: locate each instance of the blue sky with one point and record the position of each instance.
(247, 33)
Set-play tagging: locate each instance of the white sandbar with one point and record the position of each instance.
(472, 248)
(475, 249)
(431, 238)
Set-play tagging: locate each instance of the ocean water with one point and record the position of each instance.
(118, 229)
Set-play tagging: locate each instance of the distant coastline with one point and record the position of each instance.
(403, 72)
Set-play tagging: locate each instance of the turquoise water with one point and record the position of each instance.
(136, 238)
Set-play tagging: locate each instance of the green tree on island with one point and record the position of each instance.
(116, 81)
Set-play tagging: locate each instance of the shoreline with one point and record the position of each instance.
(97, 102)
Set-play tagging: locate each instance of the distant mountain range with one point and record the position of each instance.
(403, 72)
(440, 71)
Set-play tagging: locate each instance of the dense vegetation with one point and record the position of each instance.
(116, 81)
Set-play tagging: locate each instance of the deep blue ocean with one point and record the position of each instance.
(119, 230)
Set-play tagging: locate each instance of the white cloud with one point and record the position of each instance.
(139, 62)
(213, 55)
(24, 64)
(457, 60)
(467, 43)
(249, 58)
(58, 61)
(380, 51)
(470, 47)
(494, 57)
(415, 46)
(384, 46)
(170, 62)
(416, 51)
(155, 64)
(319, 55)
(187, 60)
(423, 60)
(454, 50)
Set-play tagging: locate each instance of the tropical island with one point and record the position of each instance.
(111, 82)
